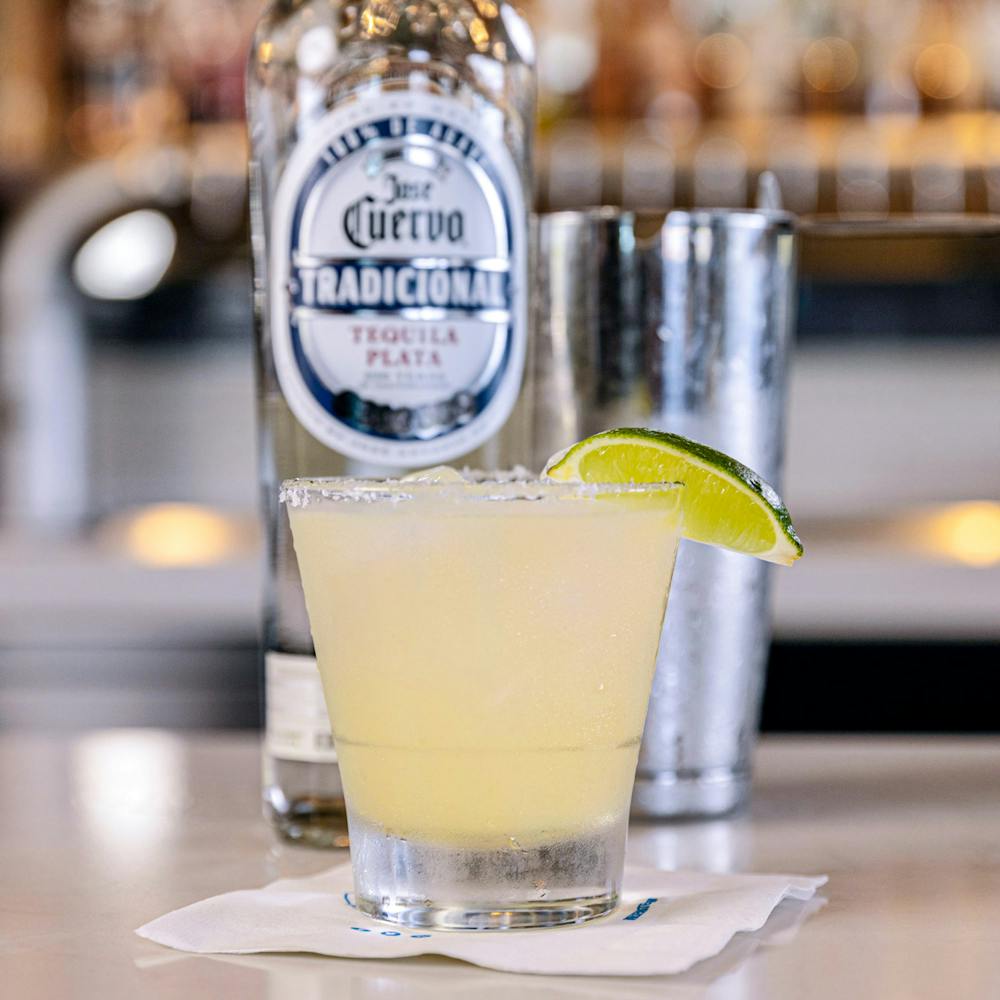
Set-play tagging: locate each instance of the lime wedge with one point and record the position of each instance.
(725, 503)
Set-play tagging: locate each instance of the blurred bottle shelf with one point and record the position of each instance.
(825, 163)
(832, 93)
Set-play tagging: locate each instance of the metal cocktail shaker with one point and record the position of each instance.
(679, 324)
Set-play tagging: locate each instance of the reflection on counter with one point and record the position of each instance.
(129, 790)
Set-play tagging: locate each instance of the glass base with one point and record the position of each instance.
(458, 888)
(463, 918)
(690, 794)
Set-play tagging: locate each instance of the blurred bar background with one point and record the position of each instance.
(129, 554)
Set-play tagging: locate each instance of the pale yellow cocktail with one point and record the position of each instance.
(487, 651)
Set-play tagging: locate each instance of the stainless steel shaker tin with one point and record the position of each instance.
(679, 323)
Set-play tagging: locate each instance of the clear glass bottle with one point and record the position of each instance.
(390, 186)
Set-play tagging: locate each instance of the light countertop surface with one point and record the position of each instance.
(101, 832)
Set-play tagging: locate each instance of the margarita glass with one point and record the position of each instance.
(487, 649)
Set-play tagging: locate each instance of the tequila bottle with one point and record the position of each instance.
(390, 185)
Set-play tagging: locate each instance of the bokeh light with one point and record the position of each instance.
(942, 71)
(673, 117)
(128, 257)
(967, 533)
(566, 62)
(171, 535)
(722, 60)
(830, 64)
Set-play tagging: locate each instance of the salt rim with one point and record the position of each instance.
(502, 485)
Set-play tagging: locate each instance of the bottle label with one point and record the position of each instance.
(398, 317)
(298, 727)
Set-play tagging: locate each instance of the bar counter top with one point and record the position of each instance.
(102, 831)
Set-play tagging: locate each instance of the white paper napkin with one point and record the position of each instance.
(667, 922)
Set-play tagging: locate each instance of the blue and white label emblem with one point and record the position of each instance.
(397, 281)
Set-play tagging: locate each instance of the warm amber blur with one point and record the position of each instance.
(856, 105)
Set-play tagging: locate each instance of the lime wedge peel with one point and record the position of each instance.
(725, 503)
